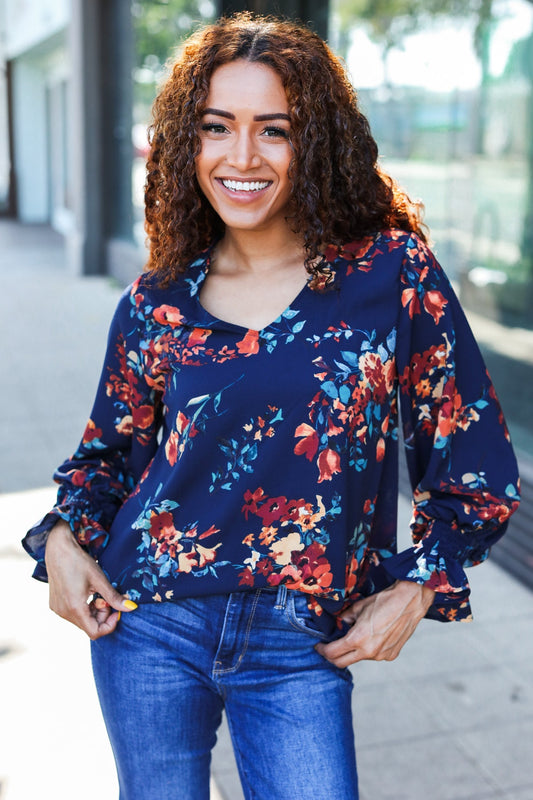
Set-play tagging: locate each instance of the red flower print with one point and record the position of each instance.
(168, 315)
(171, 448)
(314, 570)
(272, 509)
(251, 500)
(308, 445)
(434, 303)
(368, 506)
(380, 449)
(329, 463)
(78, 477)
(246, 577)
(197, 337)
(165, 534)
(209, 532)
(143, 416)
(181, 422)
(410, 300)
(264, 567)
(225, 354)
(268, 534)
(91, 432)
(249, 345)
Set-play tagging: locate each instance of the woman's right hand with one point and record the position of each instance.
(74, 576)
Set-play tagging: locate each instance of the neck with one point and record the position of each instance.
(255, 251)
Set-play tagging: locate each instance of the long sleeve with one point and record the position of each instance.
(461, 464)
(119, 440)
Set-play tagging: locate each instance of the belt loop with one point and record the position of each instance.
(281, 597)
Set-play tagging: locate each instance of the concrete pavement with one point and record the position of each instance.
(451, 719)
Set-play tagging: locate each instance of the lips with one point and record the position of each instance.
(243, 186)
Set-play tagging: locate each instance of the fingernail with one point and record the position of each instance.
(130, 605)
(119, 616)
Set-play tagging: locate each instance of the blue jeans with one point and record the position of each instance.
(165, 675)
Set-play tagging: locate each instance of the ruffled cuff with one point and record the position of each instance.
(437, 562)
(88, 533)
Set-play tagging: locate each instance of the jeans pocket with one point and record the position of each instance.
(300, 617)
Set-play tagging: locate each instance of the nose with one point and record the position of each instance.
(243, 153)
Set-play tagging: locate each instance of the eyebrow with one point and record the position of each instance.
(258, 118)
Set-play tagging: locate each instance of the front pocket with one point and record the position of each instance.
(301, 618)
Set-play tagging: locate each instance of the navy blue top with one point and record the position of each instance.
(218, 458)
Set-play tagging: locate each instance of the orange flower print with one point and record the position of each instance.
(308, 445)
(206, 554)
(143, 416)
(91, 432)
(410, 301)
(252, 500)
(434, 303)
(329, 464)
(168, 315)
(171, 448)
(198, 337)
(164, 534)
(267, 535)
(249, 345)
(125, 426)
(246, 577)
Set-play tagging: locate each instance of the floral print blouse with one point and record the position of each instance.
(219, 459)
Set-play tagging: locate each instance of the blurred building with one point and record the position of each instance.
(65, 105)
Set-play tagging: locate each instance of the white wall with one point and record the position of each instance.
(32, 74)
(29, 22)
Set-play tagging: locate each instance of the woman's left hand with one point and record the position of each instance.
(381, 624)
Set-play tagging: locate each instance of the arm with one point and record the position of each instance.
(118, 443)
(74, 577)
(460, 461)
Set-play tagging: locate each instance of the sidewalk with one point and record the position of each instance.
(451, 719)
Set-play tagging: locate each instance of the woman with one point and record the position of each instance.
(235, 488)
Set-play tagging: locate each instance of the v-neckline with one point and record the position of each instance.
(219, 322)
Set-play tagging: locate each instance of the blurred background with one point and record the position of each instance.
(448, 89)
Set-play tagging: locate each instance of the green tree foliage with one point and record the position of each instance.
(160, 25)
(391, 20)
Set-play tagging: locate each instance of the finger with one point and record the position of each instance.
(336, 649)
(110, 595)
(97, 622)
(351, 657)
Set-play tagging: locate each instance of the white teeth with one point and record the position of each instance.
(245, 186)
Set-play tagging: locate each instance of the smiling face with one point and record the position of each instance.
(245, 152)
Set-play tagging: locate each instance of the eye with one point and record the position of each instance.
(213, 127)
(272, 132)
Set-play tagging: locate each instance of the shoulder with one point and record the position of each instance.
(376, 249)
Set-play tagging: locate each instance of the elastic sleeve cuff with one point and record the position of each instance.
(88, 533)
(34, 543)
(429, 565)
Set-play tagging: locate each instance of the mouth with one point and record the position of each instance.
(243, 186)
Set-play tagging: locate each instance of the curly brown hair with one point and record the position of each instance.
(339, 193)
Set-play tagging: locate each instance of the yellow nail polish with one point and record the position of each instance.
(129, 604)
(119, 616)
